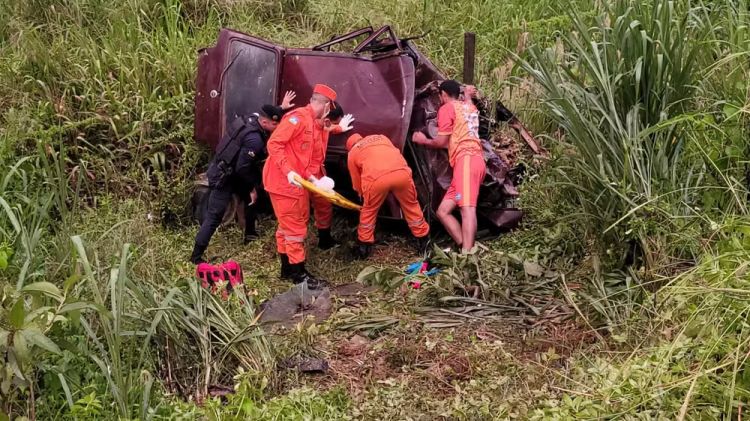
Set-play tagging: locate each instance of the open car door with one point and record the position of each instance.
(235, 77)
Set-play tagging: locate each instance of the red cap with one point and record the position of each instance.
(325, 90)
(352, 140)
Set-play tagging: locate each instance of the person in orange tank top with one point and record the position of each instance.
(291, 154)
(458, 126)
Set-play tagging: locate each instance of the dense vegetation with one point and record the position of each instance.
(638, 223)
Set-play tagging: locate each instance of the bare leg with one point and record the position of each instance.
(451, 224)
(468, 226)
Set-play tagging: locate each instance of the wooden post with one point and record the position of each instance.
(469, 50)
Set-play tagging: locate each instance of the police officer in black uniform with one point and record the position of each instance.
(236, 169)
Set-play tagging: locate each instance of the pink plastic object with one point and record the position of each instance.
(206, 273)
(232, 273)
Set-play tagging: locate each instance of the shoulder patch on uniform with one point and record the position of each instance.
(294, 120)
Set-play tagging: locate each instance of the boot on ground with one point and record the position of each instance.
(325, 240)
(286, 270)
(250, 237)
(423, 245)
(362, 250)
(197, 256)
(250, 232)
(300, 275)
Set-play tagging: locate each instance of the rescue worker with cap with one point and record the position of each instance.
(378, 168)
(335, 122)
(291, 152)
(458, 126)
(235, 170)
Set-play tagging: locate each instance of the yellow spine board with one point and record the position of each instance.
(332, 197)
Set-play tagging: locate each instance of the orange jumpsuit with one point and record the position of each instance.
(322, 208)
(291, 148)
(377, 168)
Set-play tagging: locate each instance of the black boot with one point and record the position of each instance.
(197, 256)
(423, 245)
(250, 233)
(325, 240)
(286, 270)
(299, 275)
(250, 237)
(362, 250)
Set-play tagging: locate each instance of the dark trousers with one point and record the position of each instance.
(218, 200)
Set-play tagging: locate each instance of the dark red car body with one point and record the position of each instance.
(382, 80)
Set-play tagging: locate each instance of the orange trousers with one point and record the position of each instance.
(292, 214)
(323, 212)
(401, 185)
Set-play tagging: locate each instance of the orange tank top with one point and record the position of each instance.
(460, 121)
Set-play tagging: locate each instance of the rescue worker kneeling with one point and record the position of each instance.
(378, 168)
(292, 153)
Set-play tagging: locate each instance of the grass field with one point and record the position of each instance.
(624, 295)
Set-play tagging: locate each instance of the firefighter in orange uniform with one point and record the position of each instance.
(334, 122)
(458, 126)
(291, 150)
(377, 168)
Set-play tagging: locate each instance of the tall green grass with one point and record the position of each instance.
(626, 93)
(498, 26)
(652, 99)
(119, 75)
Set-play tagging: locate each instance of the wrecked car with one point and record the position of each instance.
(383, 80)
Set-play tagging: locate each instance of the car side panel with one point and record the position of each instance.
(379, 93)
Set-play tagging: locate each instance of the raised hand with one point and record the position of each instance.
(346, 122)
(287, 103)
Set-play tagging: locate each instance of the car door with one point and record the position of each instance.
(235, 77)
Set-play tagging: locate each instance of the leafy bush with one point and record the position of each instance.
(28, 316)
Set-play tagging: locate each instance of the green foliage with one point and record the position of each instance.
(33, 192)
(384, 277)
(116, 90)
(96, 106)
(200, 330)
(5, 254)
(128, 379)
(298, 404)
(694, 360)
(29, 315)
(621, 92)
(88, 407)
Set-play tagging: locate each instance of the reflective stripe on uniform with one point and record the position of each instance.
(294, 239)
